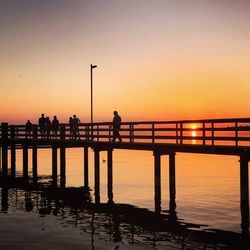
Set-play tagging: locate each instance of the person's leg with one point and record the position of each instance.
(119, 136)
(114, 134)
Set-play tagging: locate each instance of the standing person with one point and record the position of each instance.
(42, 125)
(28, 129)
(48, 127)
(70, 128)
(117, 120)
(75, 124)
(55, 126)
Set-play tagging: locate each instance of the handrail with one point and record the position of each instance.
(231, 131)
(223, 120)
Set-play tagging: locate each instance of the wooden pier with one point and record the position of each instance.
(218, 136)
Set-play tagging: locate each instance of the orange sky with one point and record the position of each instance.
(157, 60)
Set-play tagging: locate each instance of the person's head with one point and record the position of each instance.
(54, 116)
(115, 113)
(74, 116)
(28, 121)
(42, 115)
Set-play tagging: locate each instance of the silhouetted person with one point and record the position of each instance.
(28, 129)
(116, 127)
(75, 124)
(70, 128)
(55, 127)
(48, 127)
(42, 125)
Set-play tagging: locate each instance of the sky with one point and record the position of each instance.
(156, 59)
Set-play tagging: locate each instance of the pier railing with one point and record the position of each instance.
(232, 132)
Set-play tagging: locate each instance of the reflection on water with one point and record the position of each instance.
(119, 223)
(206, 185)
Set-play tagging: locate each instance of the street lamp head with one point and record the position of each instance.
(93, 66)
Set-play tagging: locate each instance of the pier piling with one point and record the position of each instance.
(13, 151)
(244, 194)
(54, 165)
(172, 188)
(13, 160)
(62, 167)
(25, 161)
(157, 181)
(86, 166)
(34, 162)
(97, 175)
(110, 174)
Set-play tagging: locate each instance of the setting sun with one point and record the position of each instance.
(194, 133)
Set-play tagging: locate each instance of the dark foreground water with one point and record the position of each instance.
(33, 210)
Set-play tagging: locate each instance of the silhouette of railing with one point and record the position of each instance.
(231, 132)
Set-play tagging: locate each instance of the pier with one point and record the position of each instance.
(162, 138)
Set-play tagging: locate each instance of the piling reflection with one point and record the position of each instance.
(4, 200)
(120, 223)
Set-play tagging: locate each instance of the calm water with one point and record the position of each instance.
(207, 186)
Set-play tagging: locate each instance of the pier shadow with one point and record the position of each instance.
(120, 223)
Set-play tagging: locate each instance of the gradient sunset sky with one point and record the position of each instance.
(157, 59)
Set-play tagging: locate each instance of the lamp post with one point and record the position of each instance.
(91, 97)
(91, 89)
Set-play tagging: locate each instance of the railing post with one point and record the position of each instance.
(176, 132)
(236, 133)
(131, 133)
(97, 132)
(12, 131)
(110, 136)
(62, 132)
(92, 132)
(204, 133)
(153, 133)
(35, 131)
(181, 132)
(87, 132)
(212, 128)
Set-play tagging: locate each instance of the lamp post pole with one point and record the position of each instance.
(91, 96)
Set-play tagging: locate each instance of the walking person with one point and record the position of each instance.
(117, 120)
(42, 126)
(55, 127)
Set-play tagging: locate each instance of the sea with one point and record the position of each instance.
(207, 213)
